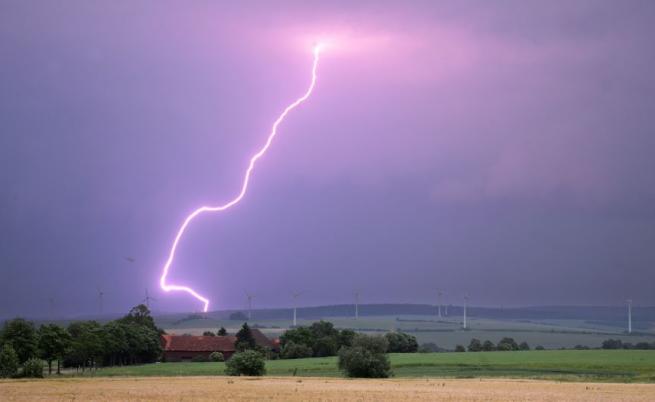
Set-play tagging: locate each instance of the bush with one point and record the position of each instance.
(248, 362)
(200, 359)
(428, 347)
(216, 357)
(296, 351)
(488, 346)
(460, 348)
(612, 344)
(524, 346)
(33, 368)
(8, 361)
(507, 344)
(366, 358)
(325, 346)
(539, 347)
(504, 347)
(208, 333)
(475, 345)
(400, 342)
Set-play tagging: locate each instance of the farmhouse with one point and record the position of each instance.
(179, 348)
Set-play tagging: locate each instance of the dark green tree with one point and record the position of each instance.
(400, 342)
(245, 340)
(22, 336)
(299, 336)
(325, 346)
(222, 332)
(8, 361)
(428, 347)
(460, 348)
(33, 368)
(296, 351)
(86, 344)
(507, 344)
(346, 337)
(488, 346)
(208, 333)
(475, 345)
(54, 341)
(524, 346)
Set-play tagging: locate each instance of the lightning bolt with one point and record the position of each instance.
(244, 188)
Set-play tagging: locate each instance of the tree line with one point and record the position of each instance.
(322, 339)
(132, 339)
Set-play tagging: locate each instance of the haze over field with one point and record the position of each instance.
(505, 150)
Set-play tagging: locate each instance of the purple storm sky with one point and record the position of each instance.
(501, 148)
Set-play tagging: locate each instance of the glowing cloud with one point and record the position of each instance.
(244, 187)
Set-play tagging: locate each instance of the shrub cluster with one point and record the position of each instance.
(248, 362)
(504, 345)
(366, 358)
(400, 342)
(318, 340)
(619, 344)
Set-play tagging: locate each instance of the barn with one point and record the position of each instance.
(179, 348)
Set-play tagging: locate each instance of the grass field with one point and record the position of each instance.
(566, 365)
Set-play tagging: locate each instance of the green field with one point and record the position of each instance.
(567, 365)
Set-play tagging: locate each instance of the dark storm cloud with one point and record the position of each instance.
(504, 149)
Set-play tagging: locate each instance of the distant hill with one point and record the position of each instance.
(588, 313)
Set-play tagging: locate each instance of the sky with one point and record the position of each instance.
(501, 149)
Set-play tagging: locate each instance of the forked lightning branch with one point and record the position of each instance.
(168, 287)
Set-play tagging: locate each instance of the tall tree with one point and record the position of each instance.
(245, 340)
(22, 336)
(53, 344)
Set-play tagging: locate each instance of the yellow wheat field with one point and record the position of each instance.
(318, 389)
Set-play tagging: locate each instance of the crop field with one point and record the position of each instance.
(562, 365)
(301, 389)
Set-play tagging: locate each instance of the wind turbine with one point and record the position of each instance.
(148, 299)
(466, 302)
(295, 305)
(629, 301)
(249, 297)
(439, 294)
(101, 295)
(356, 304)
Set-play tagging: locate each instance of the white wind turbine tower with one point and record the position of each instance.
(466, 302)
(629, 301)
(148, 299)
(356, 304)
(249, 297)
(295, 305)
(439, 294)
(101, 295)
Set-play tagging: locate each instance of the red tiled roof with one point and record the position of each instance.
(185, 343)
(261, 339)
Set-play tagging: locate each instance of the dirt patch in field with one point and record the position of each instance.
(302, 389)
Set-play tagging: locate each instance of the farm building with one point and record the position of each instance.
(178, 348)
